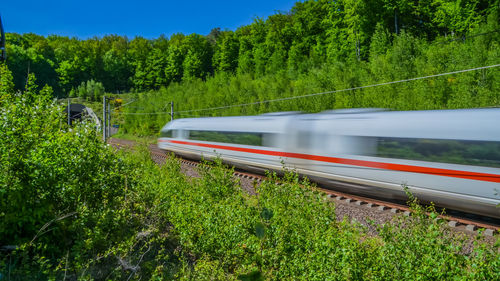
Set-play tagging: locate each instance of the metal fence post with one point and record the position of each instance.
(172, 111)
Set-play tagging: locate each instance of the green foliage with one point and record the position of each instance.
(322, 58)
(197, 63)
(67, 202)
(290, 231)
(6, 85)
(419, 251)
(90, 90)
(24, 61)
(77, 209)
(407, 57)
(118, 69)
(174, 69)
(313, 33)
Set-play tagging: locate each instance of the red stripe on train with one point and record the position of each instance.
(354, 162)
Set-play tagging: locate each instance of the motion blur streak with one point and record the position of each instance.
(449, 157)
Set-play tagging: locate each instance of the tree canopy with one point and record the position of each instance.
(313, 33)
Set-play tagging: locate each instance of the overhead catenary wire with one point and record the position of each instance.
(317, 94)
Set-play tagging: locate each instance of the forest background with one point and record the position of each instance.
(72, 208)
(317, 46)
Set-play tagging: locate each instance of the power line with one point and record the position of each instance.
(317, 94)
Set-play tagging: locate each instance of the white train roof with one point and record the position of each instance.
(260, 123)
(470, 124)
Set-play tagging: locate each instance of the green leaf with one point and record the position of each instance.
(252, 276)
(266, 214)
(433, 215)
(260, 230)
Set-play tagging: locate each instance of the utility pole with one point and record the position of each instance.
(3, 56)
(171, 111)
(103, 125)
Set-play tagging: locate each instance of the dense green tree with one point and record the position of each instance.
(155, 69)
(175, 60)
(161, 43)
(260, 52)
(117, 69)
(308, 47)
(313, 34)
(279, 38)
(245, 56)
(90, 90)
(71, 73)
(64, 47)
(197, 63)
(214, 35)
(139, 49)
(380, 41)
(456, 16)
(226, 52)
(24, 61)
(42, 47)
(338, 47)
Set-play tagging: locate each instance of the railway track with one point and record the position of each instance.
(455, 222)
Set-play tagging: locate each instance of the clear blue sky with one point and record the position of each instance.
(147, 18)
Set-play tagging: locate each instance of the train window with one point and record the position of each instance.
(166, 134)
(228, 137)
(181, 134)
(477, 153)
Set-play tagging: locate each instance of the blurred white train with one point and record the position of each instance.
(449, 157)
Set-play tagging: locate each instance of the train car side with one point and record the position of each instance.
(449, 157)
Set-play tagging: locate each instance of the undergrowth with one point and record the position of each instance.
(73, 208)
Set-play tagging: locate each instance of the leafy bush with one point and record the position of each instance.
(77, 209)
(422, 248)
(66, 199)
(290, 232)
(90, 90)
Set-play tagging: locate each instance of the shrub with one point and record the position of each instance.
(77, 209)
(68, 202)
(90, 90)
